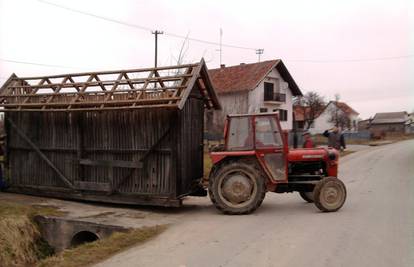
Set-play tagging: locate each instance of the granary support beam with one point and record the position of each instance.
(41, 154)
(163, 87)
(111, 72)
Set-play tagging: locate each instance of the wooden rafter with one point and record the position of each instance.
(135, 88)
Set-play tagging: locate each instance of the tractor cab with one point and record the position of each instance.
(261, 134)
(256, 159)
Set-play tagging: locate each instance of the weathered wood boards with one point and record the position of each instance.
(103, 147)
(163, 87)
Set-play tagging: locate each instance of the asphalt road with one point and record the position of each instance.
(374, 228)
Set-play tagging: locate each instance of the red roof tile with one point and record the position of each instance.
(300, 111)
(246, 77)
(345, 108)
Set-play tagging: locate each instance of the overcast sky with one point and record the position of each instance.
(360, 49)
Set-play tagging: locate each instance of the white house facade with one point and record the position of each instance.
(281, 101)
(324, 122)
(253, 88)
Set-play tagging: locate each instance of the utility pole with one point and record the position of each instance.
(221, 45)
(259, 52)
(156, 32)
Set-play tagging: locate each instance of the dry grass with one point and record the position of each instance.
(9, 209)
(20, 241)
(17, 239)
(92, 253)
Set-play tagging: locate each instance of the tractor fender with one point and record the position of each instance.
(216, 157)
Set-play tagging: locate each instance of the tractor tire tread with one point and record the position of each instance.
(250, 164)
(317, 191)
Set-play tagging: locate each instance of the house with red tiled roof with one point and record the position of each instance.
(252, 88)
(348, 118)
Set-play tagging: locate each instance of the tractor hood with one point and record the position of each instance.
(313, 154)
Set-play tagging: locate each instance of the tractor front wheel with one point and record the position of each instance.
(237, 187)
(329, 194)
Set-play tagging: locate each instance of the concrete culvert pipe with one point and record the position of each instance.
(83, 237)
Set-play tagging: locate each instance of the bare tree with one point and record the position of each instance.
(338, 117)
(311, 104)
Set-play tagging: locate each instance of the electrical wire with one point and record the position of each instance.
(217, 43)
(37, 64)
(133, 25)
(351, 60)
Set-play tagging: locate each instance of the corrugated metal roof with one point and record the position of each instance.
(390, 117)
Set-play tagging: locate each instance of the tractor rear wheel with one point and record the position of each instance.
(307, 196)
(329, 194)
(237, 187)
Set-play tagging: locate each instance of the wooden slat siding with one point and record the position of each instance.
(112, 138)
(123, 136)
(29, 167)
(190, 139)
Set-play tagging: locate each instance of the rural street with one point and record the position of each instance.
(374, 228)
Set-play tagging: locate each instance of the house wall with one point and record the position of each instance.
(256, 98)
(250, 102)
(383, 129)
(322, 123)
(233, 103)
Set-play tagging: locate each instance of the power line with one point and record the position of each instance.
(350, 60)
(37, 64)
(133, 25)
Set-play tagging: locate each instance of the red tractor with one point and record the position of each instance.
(256, 159)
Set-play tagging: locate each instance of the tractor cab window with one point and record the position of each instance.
(240, 134)
(267, 132)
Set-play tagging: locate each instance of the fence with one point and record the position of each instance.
(362, 135)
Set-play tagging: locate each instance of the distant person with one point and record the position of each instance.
(307, 143)
(335, 138)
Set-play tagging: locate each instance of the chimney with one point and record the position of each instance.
(222, 66)
(241, 64)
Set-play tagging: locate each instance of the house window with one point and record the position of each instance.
(263, 110)
(268, 91)
(283, 115)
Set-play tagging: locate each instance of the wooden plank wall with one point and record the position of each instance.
(110, 135)
(190, 144)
